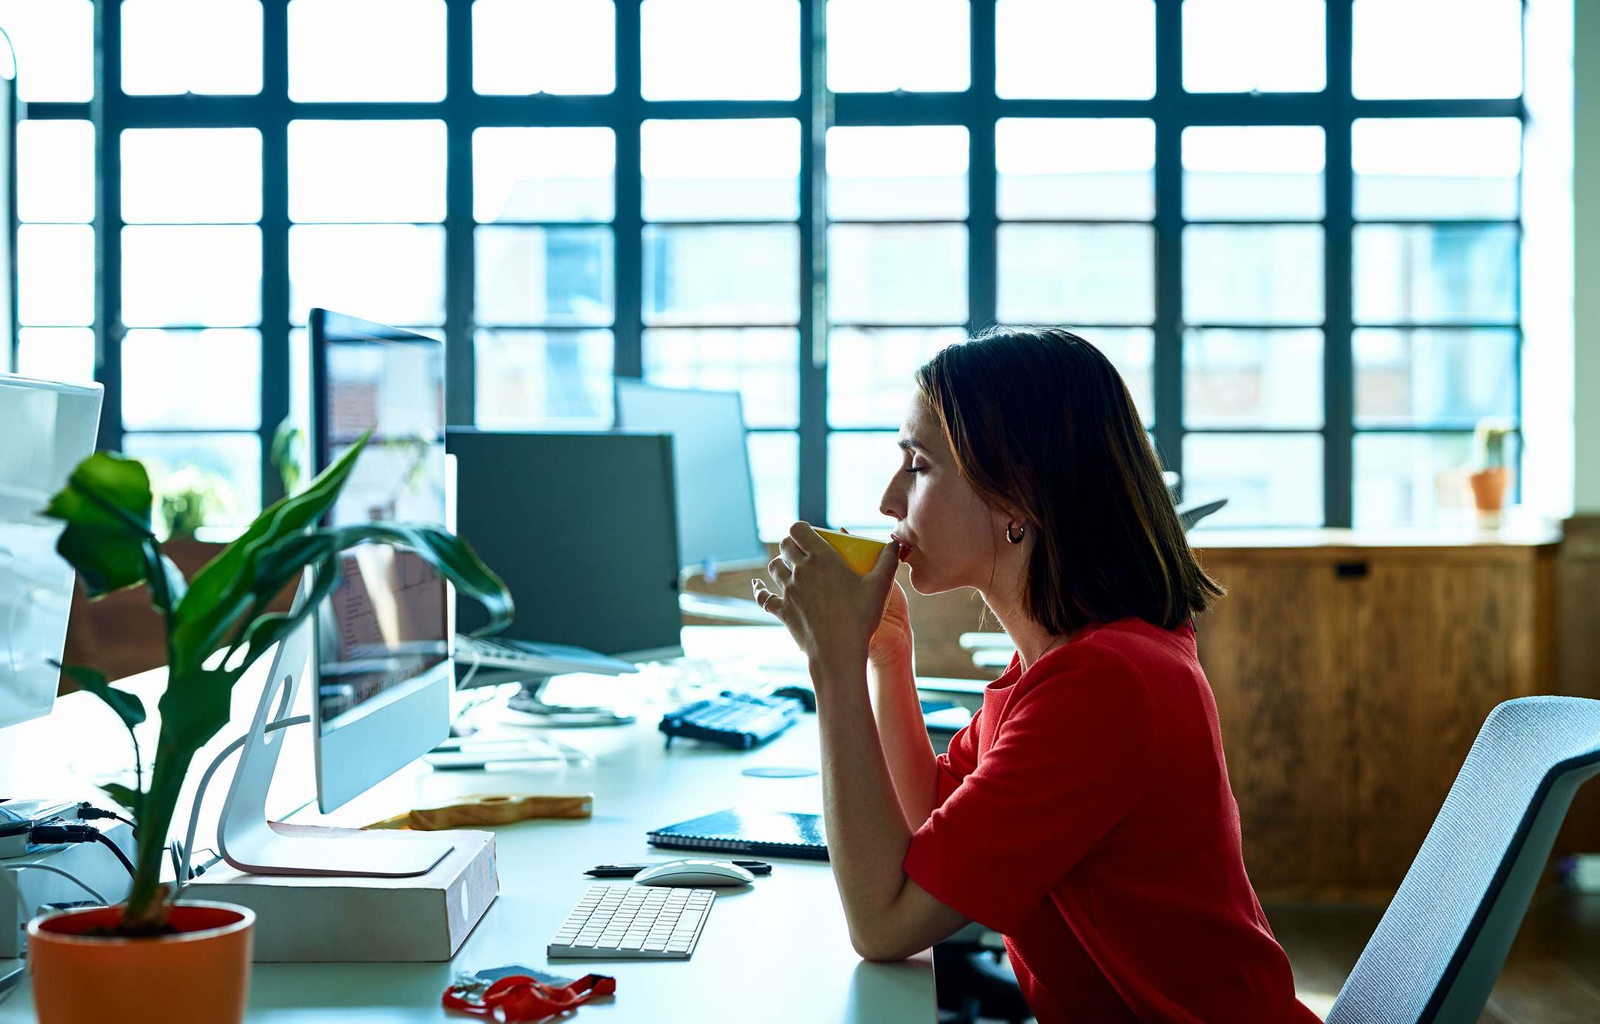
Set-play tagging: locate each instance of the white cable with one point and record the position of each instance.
(205, 780)
(8, 982)
(16, 885)
(477, 660)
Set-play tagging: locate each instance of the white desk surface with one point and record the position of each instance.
(777, 951)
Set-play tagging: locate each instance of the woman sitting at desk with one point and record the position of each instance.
(1085, 813)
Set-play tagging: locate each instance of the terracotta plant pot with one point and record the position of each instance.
(200, 974)
(1489, 488)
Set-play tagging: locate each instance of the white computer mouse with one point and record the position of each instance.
(694, 872)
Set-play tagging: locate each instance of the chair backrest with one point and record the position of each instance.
(1439, 948)
(1189, 515)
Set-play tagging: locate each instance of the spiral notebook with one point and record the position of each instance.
(769, 833)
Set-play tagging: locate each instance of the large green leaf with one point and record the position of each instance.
(167, 585)
(106, 491)
(127, 796)
(127, 706)
(195, 708)
(228, 586)
(106, 506)
(265, 630)
(448, 555)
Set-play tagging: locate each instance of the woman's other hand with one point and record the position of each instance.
(891, 644)
(834, 615)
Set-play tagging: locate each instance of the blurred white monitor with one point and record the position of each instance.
(46, 429)
(716, 498)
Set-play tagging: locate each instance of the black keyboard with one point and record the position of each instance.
(739, 720)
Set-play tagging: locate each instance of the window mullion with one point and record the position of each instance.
(628, 346)
(1168, 355)
(981, 217)
(813, 271)
(274, 128)
(1338, 375)
(460, 352)
(106, 112)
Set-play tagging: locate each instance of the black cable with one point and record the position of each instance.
(89, 812)
(57, 832)
(106, 841)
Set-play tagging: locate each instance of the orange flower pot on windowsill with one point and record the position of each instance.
(1489, 488)
(200, 973)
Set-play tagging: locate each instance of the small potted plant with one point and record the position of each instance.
(152, 958)
(1493, 476)
(190, 499)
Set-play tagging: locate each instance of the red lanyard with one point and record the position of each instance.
(522, 998)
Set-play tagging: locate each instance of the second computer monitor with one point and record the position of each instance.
(582, 528)
(715, 495)
(46, 429)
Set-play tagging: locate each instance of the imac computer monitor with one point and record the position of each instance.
(381, 655)
(582, 529)
(46, 429)
(715, 496)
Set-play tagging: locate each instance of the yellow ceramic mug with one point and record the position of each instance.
(860, 553)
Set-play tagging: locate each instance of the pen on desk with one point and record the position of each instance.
(755, 867)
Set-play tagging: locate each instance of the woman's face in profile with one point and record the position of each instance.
(946, 532)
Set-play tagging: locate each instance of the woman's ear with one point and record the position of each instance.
(1006, 517)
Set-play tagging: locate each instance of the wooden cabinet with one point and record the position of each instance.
(1351, 678)
(1286, 732)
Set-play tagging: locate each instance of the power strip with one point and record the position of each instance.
(91, 862)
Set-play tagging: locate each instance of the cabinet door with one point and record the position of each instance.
(1278, 653)
(1440, 644)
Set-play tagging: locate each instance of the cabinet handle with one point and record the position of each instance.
(1350, 570)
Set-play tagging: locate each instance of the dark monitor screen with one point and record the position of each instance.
(582, 529)
(384, 629)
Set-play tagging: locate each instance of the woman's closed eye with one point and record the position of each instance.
(914, 468)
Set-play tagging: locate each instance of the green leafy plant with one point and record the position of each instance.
(190, 498)
(217, 624)
(287, 454)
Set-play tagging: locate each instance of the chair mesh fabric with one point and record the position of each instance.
(1524, 745)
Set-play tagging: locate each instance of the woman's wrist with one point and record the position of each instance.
(891, 654)
(827, 669)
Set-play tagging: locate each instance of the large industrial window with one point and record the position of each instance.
(1293, 225)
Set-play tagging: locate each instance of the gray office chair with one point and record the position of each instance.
(1189, 515)
(1439, 948)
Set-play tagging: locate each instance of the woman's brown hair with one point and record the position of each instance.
(1042, 425)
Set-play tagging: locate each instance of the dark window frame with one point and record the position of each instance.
(978, 108)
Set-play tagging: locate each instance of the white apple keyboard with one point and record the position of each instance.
(633, 922)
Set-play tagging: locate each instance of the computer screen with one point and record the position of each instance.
(47, 429)
(582, 528)
(383, 634)
(715, 496)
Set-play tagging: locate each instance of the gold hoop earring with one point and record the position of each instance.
(1018, 538)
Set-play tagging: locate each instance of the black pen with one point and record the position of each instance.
(755, 867)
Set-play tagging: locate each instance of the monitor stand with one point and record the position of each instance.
(530, 702)
(251, 843)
